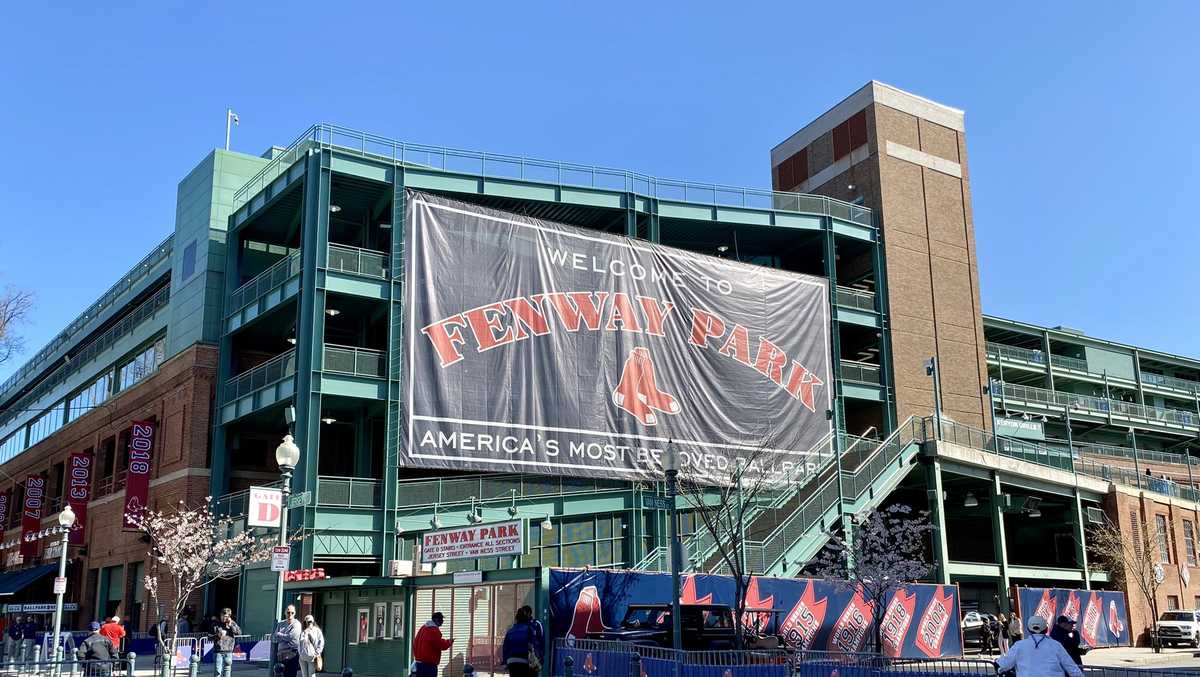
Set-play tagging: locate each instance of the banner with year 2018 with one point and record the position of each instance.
(137, 479)
(533, 346)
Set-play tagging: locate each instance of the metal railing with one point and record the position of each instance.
(861, 372)
(566, 174)
(1164, 457)
(822, 663)
(854, 298)
(143, 267)
(347, 259)
(1072, 363)
(1053, 399)
(355, 361)
(1032, 355)
(272, 371)
(279, 272)
(455, 490)
(93, 349)
(1171, 382)
(349, 492)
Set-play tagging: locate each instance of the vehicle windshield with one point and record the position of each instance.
(1178, 616)
(646, 618)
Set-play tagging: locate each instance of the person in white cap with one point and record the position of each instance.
(1038, 655)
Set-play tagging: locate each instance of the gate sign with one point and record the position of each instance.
(79, 492)
(264, 509)
(137, 480)
(474, 541)
(31, 516)
(533, 346)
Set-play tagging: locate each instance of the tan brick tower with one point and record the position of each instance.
(905, 157)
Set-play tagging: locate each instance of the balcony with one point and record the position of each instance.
(356, 261)
(1172, 382)
(1147, 455)
(355, 361)
(263, 283)
(860, 372)
(1097, 406)
(270, 372)
(858, 299)
(349, 492)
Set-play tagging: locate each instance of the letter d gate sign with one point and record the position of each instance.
(265, 507)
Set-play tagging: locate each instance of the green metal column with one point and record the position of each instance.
(999, 540)
(890, 418)
(937, 513)
(1137, 376)
(1049, 360)
(310, 338)
(391, 443)
(1080, 542)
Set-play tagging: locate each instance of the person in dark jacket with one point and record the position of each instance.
(224, 632)
(522, 649)
(1064, 633)
(99, 649)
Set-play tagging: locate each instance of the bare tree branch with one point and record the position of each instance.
(14, 307)
(1131, 558)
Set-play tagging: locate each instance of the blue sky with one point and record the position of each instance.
(1080, 119)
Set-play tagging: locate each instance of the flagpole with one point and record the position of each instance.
(230, 120)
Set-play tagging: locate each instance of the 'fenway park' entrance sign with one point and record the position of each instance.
(532, 346)
(474, 541)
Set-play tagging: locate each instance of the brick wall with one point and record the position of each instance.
(179, 398)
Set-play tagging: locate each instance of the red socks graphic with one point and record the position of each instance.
(638, 393)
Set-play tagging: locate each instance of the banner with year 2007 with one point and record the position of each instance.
(533, 346)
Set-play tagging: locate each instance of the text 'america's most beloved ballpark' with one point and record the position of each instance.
(535, 346)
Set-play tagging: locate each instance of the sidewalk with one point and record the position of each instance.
(1130, 657)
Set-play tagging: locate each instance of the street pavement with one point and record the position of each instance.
(1143, 657)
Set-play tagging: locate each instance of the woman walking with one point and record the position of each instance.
(312, 645)
(1002, 633)
(522, 648)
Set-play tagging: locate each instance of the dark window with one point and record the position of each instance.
(1164, 551)
(841, 141)
(858, 129)
(189, 259)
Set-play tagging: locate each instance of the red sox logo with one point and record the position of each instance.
(637, 392)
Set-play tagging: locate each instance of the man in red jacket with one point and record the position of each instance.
(428, 646)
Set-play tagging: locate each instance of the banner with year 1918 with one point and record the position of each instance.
(533, 346)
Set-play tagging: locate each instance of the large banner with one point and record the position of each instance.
(31, 515)
(1100, 616)
(532, 346)
(919, 621)
(79, 492)
(137, 479)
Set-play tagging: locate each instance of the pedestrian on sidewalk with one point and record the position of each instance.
(12, 640)
(224, 635)
(99, 650)
(1064, 633)
(112, 629)
(428, 646)
(522, 652)
(1002, 633)
(1038, 655)
(312, 645)
(1015, 629)
(287, 642)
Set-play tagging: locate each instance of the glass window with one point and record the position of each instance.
(1189, 542)
(1172, 602)
(91, 396)
(12, 445)
(45, 425)
(141, 365)
(1164, 552)
(189, 260)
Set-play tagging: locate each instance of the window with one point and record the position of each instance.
(584, 540)
(1164, 552)
(91, 396)
(12, 445)
(141, 365)
(1172, 602)
(1135, 532)
(189, 260)
(45, 425)
(1189, 543)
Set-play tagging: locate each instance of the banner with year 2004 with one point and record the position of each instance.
(533, 346)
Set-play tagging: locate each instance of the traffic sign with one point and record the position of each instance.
(280, 556)
(300, 500)
(652, 502)
(60, 585)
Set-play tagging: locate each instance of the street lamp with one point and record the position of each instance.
(287, 455)
(66, 520)
(671, 466)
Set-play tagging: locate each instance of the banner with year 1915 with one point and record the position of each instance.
(533, 346)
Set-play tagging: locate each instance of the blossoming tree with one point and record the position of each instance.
(190, 548)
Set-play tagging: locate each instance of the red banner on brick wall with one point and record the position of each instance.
(31, 517)
(137, 479)
(79, 492)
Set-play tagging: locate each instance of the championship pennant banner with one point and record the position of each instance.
(919, 621)
(31, 517)
(1101, 616)
(538, 347)
(137, 479)
(79, 492)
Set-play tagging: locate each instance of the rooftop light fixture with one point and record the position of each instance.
(291, 340)
(722, 248)
(329, 420)
(436, 522)
(970, 501)
(332, 312)
(385, 226)
(334, 209)
(547, 525)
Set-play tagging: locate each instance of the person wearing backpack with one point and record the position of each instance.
(312, 645)
(99, 649)
(522, 649)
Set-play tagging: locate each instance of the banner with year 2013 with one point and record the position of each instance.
(533, 346)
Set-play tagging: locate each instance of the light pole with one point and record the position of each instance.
(287, 455)
(66, 520)
(671, 466)
(931, 369)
